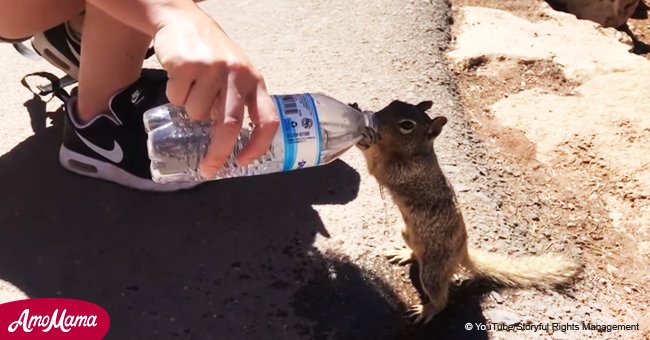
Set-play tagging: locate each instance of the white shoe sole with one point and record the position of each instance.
(86, 166)
(52, 55)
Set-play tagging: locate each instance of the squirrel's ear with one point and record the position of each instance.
(355, 106)
(435, 127)
(425, 105)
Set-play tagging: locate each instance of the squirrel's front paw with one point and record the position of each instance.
(400, 255)
(423, 313)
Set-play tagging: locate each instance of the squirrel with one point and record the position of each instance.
(400, 155)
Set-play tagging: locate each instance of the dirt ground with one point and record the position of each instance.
(578, 137)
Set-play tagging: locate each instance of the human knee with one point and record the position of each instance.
(8, 35)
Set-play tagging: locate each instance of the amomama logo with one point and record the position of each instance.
(53, 318)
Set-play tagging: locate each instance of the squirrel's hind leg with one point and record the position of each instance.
(435, 283)
(423, 313)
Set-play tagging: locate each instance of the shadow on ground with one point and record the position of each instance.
(232, 259)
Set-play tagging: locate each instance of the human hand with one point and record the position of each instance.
(212, 78)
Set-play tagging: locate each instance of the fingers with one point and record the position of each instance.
(226, 111)
(225, 136)
(218, 108)
(178, 88)
(202, 96)
(225, 133)
(264, 115)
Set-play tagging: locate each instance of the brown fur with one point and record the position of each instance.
(406, 164)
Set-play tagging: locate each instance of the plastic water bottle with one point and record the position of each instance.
(314, 130)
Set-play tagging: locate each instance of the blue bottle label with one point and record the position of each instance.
(300, 129)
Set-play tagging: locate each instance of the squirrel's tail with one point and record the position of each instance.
(543, 271)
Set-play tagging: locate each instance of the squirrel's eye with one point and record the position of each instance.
(406, 126)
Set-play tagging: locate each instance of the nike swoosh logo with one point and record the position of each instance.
(115, 155)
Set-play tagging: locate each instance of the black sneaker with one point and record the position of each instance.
(113, 146)
(61, 47)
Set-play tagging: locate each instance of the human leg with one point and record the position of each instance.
(20, 19)
(112, 58)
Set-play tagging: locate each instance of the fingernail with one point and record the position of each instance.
(205, 172)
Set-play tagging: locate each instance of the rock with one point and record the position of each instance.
(644, 324)
(559, 247)
(612, 270)
(462, 187)
(475, 62)
(496, 296)
(644, 248)
(570, 293)
(505, 32)
(502, 316)
(597, 306)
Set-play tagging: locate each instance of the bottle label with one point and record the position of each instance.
(301, 130)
